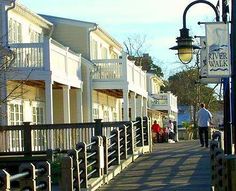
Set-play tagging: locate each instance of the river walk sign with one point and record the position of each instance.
(217, 50)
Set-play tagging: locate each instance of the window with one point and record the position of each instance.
(38, 112)
(35, 36)
(15, 118)
(95, 113)
(15, 31)
(38, 115)
(15, 114)
(104, 53)
(106, 115)
(94, 51)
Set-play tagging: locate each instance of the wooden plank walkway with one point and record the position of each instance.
(182, 166)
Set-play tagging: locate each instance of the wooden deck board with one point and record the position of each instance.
(182, 166)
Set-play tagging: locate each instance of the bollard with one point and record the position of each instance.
(44, 176)
(75, 156)
(28, 182)
(5, 184)
(82, 148)
(67, 173)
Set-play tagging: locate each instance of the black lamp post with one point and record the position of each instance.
(185, 49)
(185, 46)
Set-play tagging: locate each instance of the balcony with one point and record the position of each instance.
(49, 58)
(118, 73)
(163, 102)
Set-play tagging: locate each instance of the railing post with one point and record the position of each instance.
(28, 182)
(123, 136)
(75, 156)
(99, 157)
(5, 181)
(67, 174)
(130, 138)
(116, 139)
(146, 131)
(139, 126)
(27, 139)
(105, 146)
(44, 177)
(83, 165)
(98, 127)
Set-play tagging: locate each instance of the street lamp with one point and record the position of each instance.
(185, 46)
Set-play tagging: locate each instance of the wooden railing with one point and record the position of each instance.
(84, 162)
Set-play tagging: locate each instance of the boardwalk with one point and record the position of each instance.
(183, 166)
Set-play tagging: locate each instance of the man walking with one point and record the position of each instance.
(204, 120)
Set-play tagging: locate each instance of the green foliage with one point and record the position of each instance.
(185, 86)
(56, 168)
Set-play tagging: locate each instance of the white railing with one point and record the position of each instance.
(122, 69)
(49, 55)
(164, 101)
(64, 62)
(107, 69)
(28, 55)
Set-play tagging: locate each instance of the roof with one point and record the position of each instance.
(32, 16)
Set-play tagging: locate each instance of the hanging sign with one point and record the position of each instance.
(204, 79)
(218, 49)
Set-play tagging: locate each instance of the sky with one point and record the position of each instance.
(158, 20)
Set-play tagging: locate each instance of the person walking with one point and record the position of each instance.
(204, 118)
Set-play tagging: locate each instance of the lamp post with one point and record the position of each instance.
(185, 46)
(185, 51)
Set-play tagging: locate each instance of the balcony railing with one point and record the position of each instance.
(49, 55)
(28, 55)
(163, 101)
(120, 69)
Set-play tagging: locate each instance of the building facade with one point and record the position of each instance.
(70, 71)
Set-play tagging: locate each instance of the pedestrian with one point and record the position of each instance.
(156, 129)
(204, 118)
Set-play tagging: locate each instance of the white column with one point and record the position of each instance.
(144, 107)
(79, 107)
(66, 104)
(125, 105)
(66, 111)
(139, 106)
(49, 102)
(133, 105)
(49, 111)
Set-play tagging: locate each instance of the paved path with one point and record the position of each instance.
(182, 166)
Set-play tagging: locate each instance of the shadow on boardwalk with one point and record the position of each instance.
(182, 166)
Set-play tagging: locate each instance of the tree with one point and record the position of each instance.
(185, 85)
(135, 47)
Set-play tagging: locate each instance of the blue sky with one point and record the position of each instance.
(158, 20)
